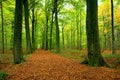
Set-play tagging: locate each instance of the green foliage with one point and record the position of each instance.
(3, 75)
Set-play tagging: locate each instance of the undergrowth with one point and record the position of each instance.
(71, 53)
(3, 75)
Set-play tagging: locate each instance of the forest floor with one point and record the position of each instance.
(44, 65)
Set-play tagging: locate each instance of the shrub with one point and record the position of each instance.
(3, 75)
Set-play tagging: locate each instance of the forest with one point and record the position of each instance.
(59, 40)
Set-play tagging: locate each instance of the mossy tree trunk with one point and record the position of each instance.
(94, 52)
(18, 56)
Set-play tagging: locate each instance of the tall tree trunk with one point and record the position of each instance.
(46, 39)
(77, 28)
(57, 27)
(33, 30)
(46, 15)
(112, 23)
(80, 31)
(94, 52)
(51, 32)
(63, 35)
(2, 27)
(18, 56)
(104, 34)
(43, 39)
(71, 39)
(12, 35)
(28, 39)
(51, 27)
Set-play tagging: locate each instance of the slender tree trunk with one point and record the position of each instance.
(105, 41)
(71, 35)
(51, 27)
(57, 27)
(94, 52)
(80, 31)
(43, 39)
(77, 25)
(118, 38)
(18, 56)
(51, 32)
(109, 45)
(28, 39)
(46, 39)
(46, 15)
(112, 23)
(33, 30)
(63, 35)
(12, 35)
(104, 34)
(2, 27)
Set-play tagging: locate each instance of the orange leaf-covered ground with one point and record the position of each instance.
(44, 65)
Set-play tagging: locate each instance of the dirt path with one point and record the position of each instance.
(43, 65)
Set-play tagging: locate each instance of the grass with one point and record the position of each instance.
(111, 55)
(71, 53)
(26, 56)
(8, 58)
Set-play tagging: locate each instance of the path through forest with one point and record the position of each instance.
(43, 65)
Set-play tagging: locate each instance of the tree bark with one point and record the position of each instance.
(63, 35)
(2, 27)
(80, 31)
(57, 27)
(112, 24)
(51, 29)
(46, 15)
(18, 56)
(94, 52)
(28, 39)
(77, 28)
(33, 30)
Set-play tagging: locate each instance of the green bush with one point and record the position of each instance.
(3, 75)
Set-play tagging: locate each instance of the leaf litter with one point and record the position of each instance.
(43, 65)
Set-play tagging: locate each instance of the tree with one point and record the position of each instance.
(18, 56)
(28, 39)
(112, 24)
(104, 24)
(33, 29)
(93, 44)
(51, 29)
(2, 26)
(47, 19)
(57, 27)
